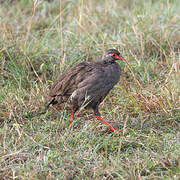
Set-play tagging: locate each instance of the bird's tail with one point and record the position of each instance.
(50, 100)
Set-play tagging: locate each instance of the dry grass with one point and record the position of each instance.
(40, 40)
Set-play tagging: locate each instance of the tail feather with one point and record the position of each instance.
(49, 101)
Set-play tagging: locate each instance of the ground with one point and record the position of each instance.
(42, 39)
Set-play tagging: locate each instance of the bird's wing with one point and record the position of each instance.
(68, 81)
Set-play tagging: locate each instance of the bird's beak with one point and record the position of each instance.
(119, 57)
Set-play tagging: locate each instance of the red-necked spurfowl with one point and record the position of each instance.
(87, 83)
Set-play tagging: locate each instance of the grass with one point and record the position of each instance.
(40, 40)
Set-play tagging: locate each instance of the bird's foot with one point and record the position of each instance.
(114, 129)
(70, 126)
(71, 118)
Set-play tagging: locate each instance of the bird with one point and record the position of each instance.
(87, 84)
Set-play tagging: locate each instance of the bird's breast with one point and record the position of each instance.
(113, 73)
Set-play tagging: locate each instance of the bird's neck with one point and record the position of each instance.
(108, 60)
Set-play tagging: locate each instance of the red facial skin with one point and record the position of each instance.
(117, 57)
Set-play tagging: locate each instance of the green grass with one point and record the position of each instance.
(40, 41)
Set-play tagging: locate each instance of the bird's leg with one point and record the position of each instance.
(71, 118)
(98, 116)
(105, 122)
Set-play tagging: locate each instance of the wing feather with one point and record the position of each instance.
(66, 83)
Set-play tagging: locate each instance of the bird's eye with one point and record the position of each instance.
(113, 55)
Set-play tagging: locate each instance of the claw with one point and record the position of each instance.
(110, 126)
(113, 129)
(70, 126)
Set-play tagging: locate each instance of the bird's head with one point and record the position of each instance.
(114, 54)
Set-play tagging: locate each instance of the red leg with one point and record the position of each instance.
(71, 118)
(105, 122)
